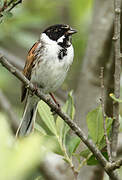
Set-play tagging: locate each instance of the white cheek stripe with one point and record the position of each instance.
(47, 40)
(61, 39)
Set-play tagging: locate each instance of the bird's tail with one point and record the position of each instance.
(27, 124)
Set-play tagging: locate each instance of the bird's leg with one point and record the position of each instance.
(35, 89)
(54, 99)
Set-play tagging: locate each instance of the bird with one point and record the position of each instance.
(46, 66)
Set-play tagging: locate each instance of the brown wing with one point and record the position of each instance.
(28, 68)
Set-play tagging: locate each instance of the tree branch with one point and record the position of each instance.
(10, 5)
(48, 101)
(15, 4)
(115, 165)
(88, 142)
(116, 39)
(103, 112)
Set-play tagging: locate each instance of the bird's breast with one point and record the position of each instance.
(50, 71)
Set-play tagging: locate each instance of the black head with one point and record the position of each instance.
(56, 31)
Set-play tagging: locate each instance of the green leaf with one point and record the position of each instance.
(7, 14)
(108, 124)
(95, 124)
(85, 153)
(70, 110)
(93, 161)
(72, 145)
(69, 106)
(114, 98)
(40, 129)
(102, 143)
(61, 126)
(46, 116)
(53, 140)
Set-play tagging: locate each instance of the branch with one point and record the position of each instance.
(115, 165)
(10, 5)
(15, 4)
(116, 39)
(88, 142)
(4, 6)
(104, 115)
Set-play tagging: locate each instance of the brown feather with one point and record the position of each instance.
(28, 68)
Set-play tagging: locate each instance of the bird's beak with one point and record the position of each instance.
(71, 31)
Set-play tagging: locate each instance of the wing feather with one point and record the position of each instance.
(28, 68)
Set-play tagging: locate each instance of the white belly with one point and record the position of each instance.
(50, 73)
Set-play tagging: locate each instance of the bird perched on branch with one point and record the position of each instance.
(46, 66)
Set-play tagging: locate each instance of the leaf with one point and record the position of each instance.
(61, 126)
(108, 124)
(53, 140)
(73, 144)
(102, 143)
(114, 98)
(46, 116)
(85, 153)
(95, 124)
(40, 129)
(69, 106)
(7, 14)
(93, 161)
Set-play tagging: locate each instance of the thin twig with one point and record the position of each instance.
(15, 4)
(10, 2)
(103, 112)
(4, 6)
(9, 6)
(88, 142)
(116, 39)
